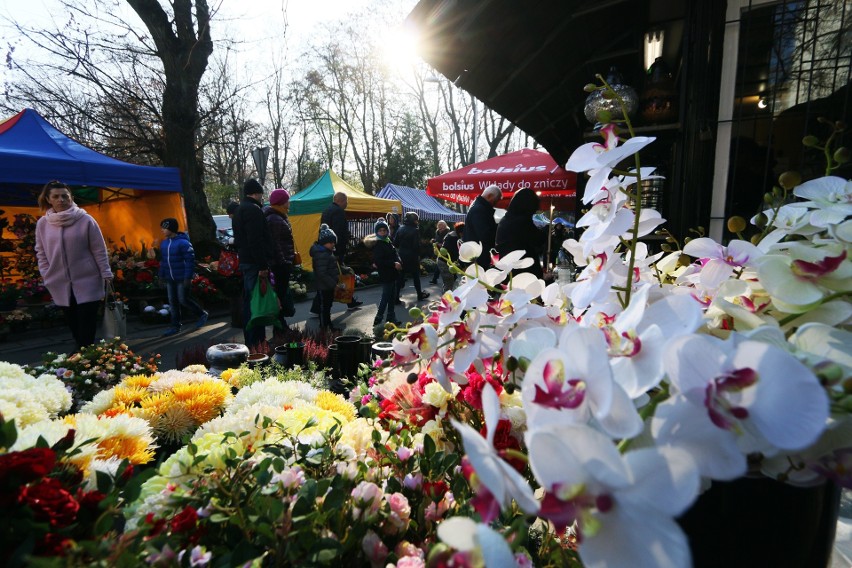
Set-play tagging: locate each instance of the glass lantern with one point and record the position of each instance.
(595, 102)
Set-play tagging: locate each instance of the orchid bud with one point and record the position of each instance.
(590, 87)
(768, 199)
(736, 224)
(608, 94)
(840, 126)
(810, 141)
(755, 240)
(415, 313)
(511, 364)
(789, 180)
(841, 155)
(760, 220)
(411, 378)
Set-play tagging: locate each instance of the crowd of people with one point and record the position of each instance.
(77, 276)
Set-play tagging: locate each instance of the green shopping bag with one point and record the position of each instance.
(264, 305)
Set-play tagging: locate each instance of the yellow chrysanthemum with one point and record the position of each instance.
(174, 424)
(156, 403)
(336, 403)
(235, 377)
(133, 449)
(296, 420)
(219, 390)
(203, 408)
(128, 395)
(141, 381)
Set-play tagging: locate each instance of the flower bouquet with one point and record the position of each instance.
(95, 368)
(651, 375)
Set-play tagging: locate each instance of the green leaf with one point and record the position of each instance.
(334, 500)
(244, 552)
(428, 446)
(103, 481)
(133, 488)
(8, 433)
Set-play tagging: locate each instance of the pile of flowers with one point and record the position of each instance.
(33, 290)
(204, 290)
(27, 399)
(95, 368)
(23, 227)
(63, 497)
(135, 272)
(173, 403)
(20, 316)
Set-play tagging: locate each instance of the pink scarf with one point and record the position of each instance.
(65, 218)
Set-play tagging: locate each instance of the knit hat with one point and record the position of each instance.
(279, 197)
(232, 207)
(326, 235)
(170, 223)
(381, 224)
(412, 217)
(252, 187)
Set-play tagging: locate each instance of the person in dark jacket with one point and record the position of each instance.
(326, 272)
(254, 248)
(479, 224)
(335, 217)
(388, 265)
(407, 242)
(441, 231)
(283, 246)
(517, 231)
(451, 245)
(177, 267)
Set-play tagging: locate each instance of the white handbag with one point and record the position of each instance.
(115, 315)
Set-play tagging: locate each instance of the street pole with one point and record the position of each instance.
(475, 129)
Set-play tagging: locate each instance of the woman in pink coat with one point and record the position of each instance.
(72, 260)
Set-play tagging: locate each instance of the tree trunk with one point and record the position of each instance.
(184, 53)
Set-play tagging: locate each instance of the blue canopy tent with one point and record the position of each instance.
(426, 206)
(127, 200)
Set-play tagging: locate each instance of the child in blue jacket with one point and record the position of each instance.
(177, 267)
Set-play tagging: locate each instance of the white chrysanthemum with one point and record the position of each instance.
(195, 369)
(358, 435)
(306, 391)
(100, 403)
(53, 394)
(11, 371)
(22, 407)
(270, 392)
(167, 380)
(248, 419)
(435, 395)
(51, 430)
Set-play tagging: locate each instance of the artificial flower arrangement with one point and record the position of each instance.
(18, 316)
(205, 290)
(135, 272)
(95, 368)
(648, 375)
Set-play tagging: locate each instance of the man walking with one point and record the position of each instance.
(479, 224)
(254, 248)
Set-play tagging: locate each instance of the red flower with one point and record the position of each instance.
(27, 465)
(144, 277)
(184, 521)
(435, 490)
(472, 393)
(52, 545)
(503, 440)
(157, 525)
(50, 502)
(90, 500)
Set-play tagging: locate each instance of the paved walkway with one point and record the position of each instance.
(144, 339)
(28, 347)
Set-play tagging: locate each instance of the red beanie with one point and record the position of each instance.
(279, 197)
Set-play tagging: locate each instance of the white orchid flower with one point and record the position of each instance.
(830, 196)
(804, 275)
(622, 507)
(594, 155)
(719, 262)
(469, 251)
(573, 384)
(481, 541)
(501, 479)
(737, 397)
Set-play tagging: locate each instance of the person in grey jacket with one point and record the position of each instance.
(326, 272)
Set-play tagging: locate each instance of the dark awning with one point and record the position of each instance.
(529, 60)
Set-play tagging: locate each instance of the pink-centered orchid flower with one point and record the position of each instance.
(472, 538)
(719, 262)
(830, 197)
(573, 384)
(805, 275)
(731, 398)
(608, 498)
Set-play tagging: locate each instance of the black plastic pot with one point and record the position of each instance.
(348, 354)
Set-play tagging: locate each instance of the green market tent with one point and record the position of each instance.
(306, 208)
